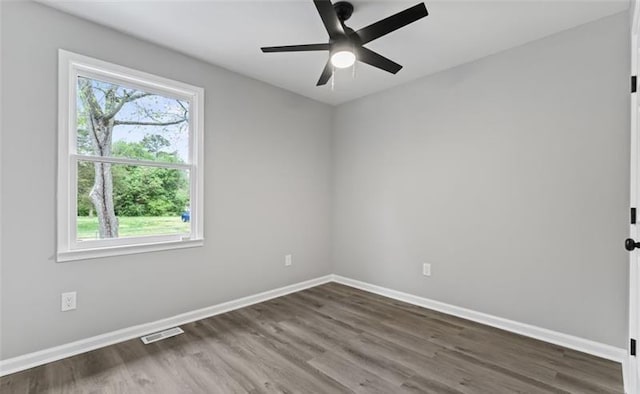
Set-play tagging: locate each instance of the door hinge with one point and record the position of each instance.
(633, 216)
(634, 83)
(632, 348)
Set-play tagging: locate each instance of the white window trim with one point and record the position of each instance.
(70, 65)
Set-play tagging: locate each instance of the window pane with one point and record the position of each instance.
(116, 120)
(117, 201)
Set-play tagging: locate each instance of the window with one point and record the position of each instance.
(130, 161)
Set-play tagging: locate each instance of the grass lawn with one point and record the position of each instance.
(135, 226)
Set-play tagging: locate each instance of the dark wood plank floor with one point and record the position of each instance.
(328, 339)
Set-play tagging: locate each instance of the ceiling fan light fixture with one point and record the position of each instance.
(345, 45)
(343, 59)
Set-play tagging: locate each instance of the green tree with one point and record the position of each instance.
(151, 191)
(154, 143)
(141, 190)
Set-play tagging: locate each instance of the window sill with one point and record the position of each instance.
(84, 254)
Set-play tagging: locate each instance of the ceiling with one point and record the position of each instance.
(230, 34)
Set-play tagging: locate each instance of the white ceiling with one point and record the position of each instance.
(230, 34)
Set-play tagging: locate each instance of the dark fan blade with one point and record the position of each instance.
(297, 48)
(329, 18)
(326, 74)
(376, 60)
(392, 23)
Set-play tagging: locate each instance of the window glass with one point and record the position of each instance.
(146, 201)
(143, 125)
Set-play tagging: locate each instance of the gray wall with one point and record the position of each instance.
(509, 175)
(267, 191)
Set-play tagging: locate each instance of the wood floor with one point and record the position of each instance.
(328, 339)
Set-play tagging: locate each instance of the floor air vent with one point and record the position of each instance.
(158, 336)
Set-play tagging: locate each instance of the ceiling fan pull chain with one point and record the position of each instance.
(353, 72)
(333, 79)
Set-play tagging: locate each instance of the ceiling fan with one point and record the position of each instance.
(345, 45)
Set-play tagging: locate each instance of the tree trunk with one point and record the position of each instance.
(102, 191)
(102, 197)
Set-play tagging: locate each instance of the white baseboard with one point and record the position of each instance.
(569, 341)
(572, 342)
(21, 363)
(41, 357)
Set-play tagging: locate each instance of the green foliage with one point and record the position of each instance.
(154, 143)
(140, 190)
(149, 191)
(85, 183)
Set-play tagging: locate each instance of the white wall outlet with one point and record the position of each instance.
(288, 260)
(426, 269)
(68, 301)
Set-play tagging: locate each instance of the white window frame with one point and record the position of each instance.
(70, 67)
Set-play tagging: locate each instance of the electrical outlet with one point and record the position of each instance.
(426, 269)
(68, 301)
(288, 260)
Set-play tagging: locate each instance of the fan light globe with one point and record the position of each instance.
(343, 59)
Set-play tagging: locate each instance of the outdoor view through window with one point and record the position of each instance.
(132, 155)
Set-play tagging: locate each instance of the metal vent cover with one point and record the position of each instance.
(158, 336)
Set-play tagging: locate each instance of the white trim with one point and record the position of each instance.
(84, 254)
(569, 341)
(631, 370)
(70, 66)
(139, 79)
(30, 360)
(1, 187)
(41, 357)
(135, 162)
(45, 356)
